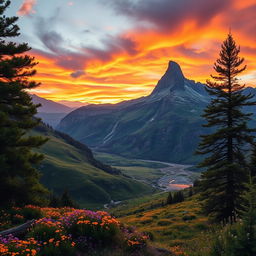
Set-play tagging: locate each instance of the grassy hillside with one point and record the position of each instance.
(70, 165)
(146, 172)
(116, 160)
(157, 130)
(169, 226)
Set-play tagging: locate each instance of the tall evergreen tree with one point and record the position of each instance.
(169, 199)
(66, 200)
(222, 182)
(252, 165)
(19, 180)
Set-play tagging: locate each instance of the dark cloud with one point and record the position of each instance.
(50, 38)
(246, 25)
(58, 48)
(52, 41)
(86, 31)
(112, 45)
(63, 57)
(77, 73)
(193, 53)
(168, 15)
(71, 60)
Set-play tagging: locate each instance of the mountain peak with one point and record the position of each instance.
(172, 80)
(174, 68)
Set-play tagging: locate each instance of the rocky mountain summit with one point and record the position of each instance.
(164, 125)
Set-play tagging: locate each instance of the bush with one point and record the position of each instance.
(177, 197)
(47, 229)
(164, 223)
(30, 212)
(169, 198)
(58, 248)
(188, 217)
(146, 221)
(68, 232)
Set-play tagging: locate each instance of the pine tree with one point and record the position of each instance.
(67, 201)
(190, 192)
(253, 162)
(169, 198)
(222, 182)
(19, 182)
(178, 197)
(54, 201)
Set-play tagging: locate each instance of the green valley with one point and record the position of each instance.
(71, 165)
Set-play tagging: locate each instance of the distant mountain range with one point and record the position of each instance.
(72, 104)
(164, 126)
(49, 106)
(52, 112)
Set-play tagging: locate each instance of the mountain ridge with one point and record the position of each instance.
(49, 106)
(164, 126)
(70, 165)
(50, 112)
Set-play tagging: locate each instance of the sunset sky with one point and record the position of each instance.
(106, 51)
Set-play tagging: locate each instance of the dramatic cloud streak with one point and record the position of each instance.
(82, 60)
(169, 15)
(27, 7)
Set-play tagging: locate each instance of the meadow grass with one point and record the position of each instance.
(182, 224)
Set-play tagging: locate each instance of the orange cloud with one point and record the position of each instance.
(132, 63)
(26, 7)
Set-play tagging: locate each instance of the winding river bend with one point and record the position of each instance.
(175, 176)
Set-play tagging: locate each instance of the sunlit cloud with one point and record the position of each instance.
(114, 65)
(27, 7)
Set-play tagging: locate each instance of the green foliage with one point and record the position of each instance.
(66, 200)
(189, 217)
(19, 183)
(178, 197)
(54, 201)
(175, 197)
(191, 191)
(88, 185)
(30, 213)
(164, 223)
(252, 164)
(240, 239)
(196, 186)
(44, 233)
(64, 249)
(181, 224)
(138, 137)
(169, 198)
(222, 182)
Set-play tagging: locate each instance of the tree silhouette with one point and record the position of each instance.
(19, 182)
(225, 148)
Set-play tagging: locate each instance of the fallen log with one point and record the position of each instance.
(19, 230)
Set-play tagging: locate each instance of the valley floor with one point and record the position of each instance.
(175, 176)
(161, 175)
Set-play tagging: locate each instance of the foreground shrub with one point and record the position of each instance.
(68, 232)
(240, 239)
(30, 212)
